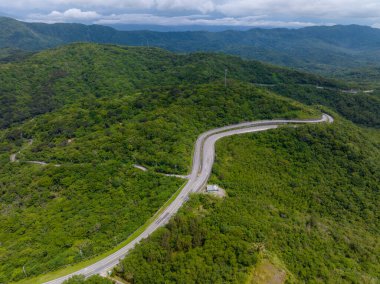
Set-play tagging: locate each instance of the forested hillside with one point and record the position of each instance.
(49, 80)
(71, 191)
(302, 207)
(361, 108)
(75, 121)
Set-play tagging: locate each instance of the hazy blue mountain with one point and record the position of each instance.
(321, 49)
(187, 28)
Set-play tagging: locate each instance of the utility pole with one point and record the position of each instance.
(225, 77)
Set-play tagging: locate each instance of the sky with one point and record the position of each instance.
(251, 13)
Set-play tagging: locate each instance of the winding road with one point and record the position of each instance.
(203, 159)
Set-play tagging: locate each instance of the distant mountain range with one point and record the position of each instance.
(182, 28)
(319, 49)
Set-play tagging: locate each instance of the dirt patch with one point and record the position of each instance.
(13, 158)
(268, 273)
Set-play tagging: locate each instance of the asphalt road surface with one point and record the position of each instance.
(203, 159)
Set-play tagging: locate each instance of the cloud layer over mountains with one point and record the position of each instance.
(289, 13)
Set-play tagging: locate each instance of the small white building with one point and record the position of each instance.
(212, 188)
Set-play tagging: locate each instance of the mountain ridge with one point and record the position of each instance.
(317, 49)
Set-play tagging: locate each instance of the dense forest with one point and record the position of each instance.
(89, 197)
(303, 199)
(52, 79)
(361, 108)
(76, 120)
(90, 280)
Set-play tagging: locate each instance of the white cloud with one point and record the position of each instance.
(277, 11)
(302, 8)
(203, 6)
(320, 8)
(84, 4)
(253, 21)
(76, 14)
(66, 16)
(151, 19)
